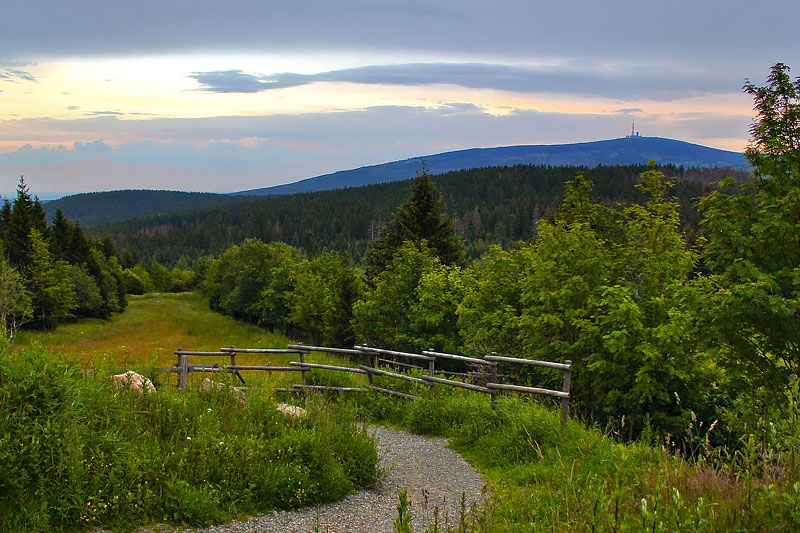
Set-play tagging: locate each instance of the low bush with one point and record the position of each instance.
(77, 451)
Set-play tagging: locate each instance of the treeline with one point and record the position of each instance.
(49, 273)
(607, 287)
(94, 208)
(495, 205)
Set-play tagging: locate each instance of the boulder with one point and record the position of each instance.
(291, 411)
(133, 381)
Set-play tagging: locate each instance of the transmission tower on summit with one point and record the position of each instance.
(634, 133)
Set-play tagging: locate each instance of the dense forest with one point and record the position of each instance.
(495, 205)
(53, 272)
(94, 208)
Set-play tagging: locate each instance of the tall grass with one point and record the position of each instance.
(76, 451)
(545, 477)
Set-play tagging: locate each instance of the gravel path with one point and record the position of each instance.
(435, 476)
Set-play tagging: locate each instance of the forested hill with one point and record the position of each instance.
(100, 207)
(103, 207)
(624, 151)
(494, 205)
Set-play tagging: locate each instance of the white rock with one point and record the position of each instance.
(291, 410)
(131, 380)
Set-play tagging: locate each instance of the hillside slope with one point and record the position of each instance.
(623, 151)
(494, 205)
(101, 207)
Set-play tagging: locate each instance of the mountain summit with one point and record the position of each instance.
(623, 151)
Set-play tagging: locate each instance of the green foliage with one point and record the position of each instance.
(322, 301)
(93, 208)
(181, 280)
(420, 218)
(386, 315)
(159, 277)
(15, 301)
(606, 288)
(77, 452)
(434, 319)
(488, 317)
(775, 148)
(753, 246)
(494, 205)
(132, 283)
(402, 522)
(49, 281)
(26, 215)
(545, 477)
(252, 281)
(87, 295)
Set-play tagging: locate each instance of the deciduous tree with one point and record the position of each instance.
(753, 241)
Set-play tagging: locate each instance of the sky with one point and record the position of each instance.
(204, 95)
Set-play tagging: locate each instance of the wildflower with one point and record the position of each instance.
(188, 438)
(221, 443)
(209, 409)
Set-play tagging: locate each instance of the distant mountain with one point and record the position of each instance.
(623, 151)
(490, 205)
(94, 208)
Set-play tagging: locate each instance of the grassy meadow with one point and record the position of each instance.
(152, 327)
(81, 455)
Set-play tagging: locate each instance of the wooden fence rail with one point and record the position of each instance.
(489, 363)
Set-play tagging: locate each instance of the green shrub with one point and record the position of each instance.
(77, 451)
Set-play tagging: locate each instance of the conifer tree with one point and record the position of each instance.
(50, 283)
(61, 236)
(419, 218)
(26, 215)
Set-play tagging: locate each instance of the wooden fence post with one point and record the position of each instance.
(372, 362)
(178, 366)
(565, 388)
(184, 371)
(493, 371)
(303, 360)
(431, 372)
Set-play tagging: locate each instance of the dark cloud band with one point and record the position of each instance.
(633, 82)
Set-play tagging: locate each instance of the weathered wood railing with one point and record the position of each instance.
(373, 356)
(183, 368)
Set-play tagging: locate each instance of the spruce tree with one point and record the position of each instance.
(61, 236)
(26, 215)
(419, 218)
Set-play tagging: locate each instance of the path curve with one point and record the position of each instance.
(435, 475)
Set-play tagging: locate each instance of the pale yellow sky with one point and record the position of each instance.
(150, 87)
(149, 113)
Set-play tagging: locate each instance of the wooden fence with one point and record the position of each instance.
(391, 361)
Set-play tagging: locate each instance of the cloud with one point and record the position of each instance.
(236, 81)
(636, 81)
(243, 152)
(700, 33)
(73, 107)
(16, 75)
(105, 113)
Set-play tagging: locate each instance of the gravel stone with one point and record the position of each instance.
(435, 476)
